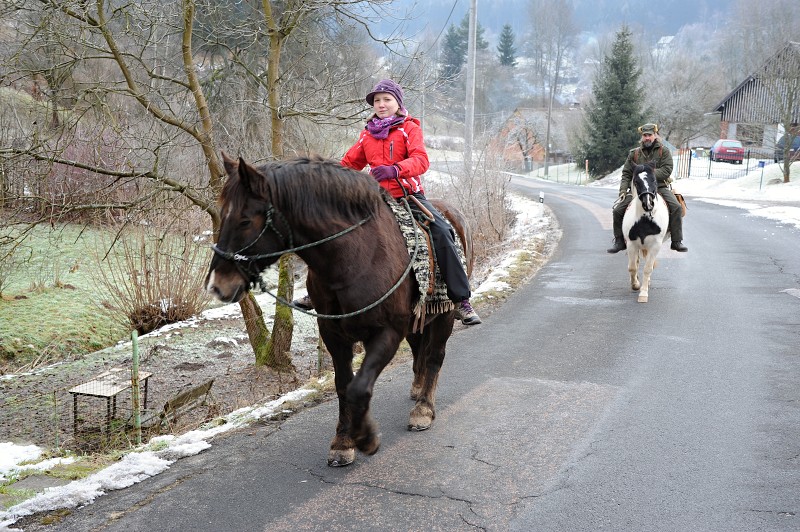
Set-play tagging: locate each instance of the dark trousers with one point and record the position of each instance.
(444, 246)
(675, 214)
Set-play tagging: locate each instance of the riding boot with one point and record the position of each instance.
(619, 245)
(617, 214)
(304, 303)
(676, 230)
(619, 240)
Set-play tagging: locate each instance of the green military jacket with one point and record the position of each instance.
(656, 153)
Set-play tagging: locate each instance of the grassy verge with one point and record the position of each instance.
(72, 289)
(51, 307)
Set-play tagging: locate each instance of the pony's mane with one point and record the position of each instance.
(311, 187)
(647, 168)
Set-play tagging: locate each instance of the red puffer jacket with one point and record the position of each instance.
(404, 148)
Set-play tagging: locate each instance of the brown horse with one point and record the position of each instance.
(337, 221)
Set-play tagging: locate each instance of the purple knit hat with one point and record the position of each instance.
(389, 86)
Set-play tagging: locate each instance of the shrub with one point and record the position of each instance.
(481, 193)
(153, 280)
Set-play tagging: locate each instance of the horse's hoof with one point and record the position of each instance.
(341, 457)
(419, 427)
(416, 393)
(642, 299)
(420, 419)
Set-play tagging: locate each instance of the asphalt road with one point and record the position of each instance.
(572, 407)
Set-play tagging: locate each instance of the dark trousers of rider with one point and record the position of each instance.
(444, 246)
(675, 213)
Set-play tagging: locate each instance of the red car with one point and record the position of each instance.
(728, 150)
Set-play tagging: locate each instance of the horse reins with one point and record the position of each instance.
(254, 277)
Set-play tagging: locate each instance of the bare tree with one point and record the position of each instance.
(780, 79)
(754, 31)
(553, 31)
(760, 48)
(682, 84)
(148, 100)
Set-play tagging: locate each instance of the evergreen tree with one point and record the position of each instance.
(506, 53)
(454, 54)
(617, 109)
(454, 48)
(480, 42)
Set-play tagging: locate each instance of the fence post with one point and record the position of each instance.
(55, 417)
(137, 417)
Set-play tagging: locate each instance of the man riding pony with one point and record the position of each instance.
(651, 151)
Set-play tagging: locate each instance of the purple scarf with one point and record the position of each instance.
(379, 127)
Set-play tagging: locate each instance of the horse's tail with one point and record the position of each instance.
(462, 228)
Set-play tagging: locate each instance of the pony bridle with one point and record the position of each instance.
(247, 264)
(646, 192)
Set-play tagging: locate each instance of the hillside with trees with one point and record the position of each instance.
(116, 118)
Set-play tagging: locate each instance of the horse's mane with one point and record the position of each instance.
(310, 187)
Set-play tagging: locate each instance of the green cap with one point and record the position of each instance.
(648, 128)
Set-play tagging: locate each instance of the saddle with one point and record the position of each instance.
(433, 297)
(679, 197)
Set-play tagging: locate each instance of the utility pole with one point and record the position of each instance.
(469, 127)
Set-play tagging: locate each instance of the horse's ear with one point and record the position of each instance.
(231, 165)
(651, 164)
(247, 174)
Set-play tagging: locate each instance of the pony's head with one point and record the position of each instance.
(644, 185)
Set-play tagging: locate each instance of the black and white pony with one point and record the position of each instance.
(645, 227)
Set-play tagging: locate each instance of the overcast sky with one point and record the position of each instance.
(595, 16)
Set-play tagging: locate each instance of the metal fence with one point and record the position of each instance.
(567, 173)
(697, 164)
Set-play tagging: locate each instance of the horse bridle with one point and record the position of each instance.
(251, 272)
(254, 276)
(646, 193)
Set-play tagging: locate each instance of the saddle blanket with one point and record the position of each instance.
(432, 300)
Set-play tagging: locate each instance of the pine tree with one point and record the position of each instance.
(617, 109)
(506, 53)
(454, 53)
(454, 48)
(480, 42)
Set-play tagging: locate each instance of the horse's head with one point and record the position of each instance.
(644, 185)
(252, 233)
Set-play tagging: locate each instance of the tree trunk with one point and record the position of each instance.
(256, 328)
(278, 349)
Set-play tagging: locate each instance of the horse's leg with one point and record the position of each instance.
(379, 350)
(415, 342)
(343, 449)
(633, 265)
(432, 352)
(649, 264)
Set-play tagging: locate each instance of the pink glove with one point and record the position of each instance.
(382, 173)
